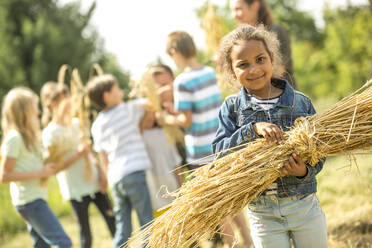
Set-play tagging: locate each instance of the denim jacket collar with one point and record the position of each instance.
(286, 99)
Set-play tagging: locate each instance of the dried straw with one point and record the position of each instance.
(79, 107)
(225, 186)
(212, 26)
(147, 88)
(80, 110)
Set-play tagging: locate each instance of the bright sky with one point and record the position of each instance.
(136, 31)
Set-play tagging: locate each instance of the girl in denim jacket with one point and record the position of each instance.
(288, 211)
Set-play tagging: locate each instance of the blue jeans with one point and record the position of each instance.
(274, 221)
(43, 225)
(130, 192)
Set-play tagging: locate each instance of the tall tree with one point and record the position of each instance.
(37, 37)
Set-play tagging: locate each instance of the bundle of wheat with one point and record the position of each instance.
(225, 186)
(147, 88)
(80, 110)
(211, 24)
(75, 107)
(214, 30)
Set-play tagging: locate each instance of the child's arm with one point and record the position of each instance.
(229, 134)
(295, 166)
(104, 159)
(147, 121)
(83, 150)
(101, 174)
(7, 173)
(181, 119)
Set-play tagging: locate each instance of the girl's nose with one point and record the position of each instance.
(253, 69)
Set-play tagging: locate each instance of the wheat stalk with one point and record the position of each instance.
(147, 88)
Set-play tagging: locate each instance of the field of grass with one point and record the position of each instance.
(344, 190)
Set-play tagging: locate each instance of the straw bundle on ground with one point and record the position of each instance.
(225, 186)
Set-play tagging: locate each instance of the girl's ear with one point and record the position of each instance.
(106, 96)
(172, 52)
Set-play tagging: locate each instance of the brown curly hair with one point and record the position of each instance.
(247, 33)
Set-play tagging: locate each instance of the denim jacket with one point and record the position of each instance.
(238, 114)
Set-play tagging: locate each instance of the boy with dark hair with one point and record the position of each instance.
(118, 141)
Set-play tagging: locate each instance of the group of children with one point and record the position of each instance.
(287, 212)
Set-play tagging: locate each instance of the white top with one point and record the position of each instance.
(116, 132)
(164, 159)
(267, 104)
(26, 161)
(72, 182)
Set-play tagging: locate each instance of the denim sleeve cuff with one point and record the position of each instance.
(311, 171)
(248, 133)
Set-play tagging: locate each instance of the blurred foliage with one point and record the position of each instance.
(328, 62)
(37, 37)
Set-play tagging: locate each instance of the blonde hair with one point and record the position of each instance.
(50, 92)
(17, 112)
(247, 33)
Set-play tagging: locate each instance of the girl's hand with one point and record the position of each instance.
(84, 150)
(271, 132)
(295, 166)
(49, 169)
(169, 107)
(160, 116)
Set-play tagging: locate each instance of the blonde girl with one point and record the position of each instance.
(80, 183)
(265, 106)
(22, 165)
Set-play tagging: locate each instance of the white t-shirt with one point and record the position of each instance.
(26, 161)
(116, 132)
(72, 182)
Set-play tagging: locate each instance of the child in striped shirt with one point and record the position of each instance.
(197, 99)
(119, 143)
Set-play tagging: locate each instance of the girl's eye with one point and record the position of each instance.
(261, 60)
(242, 65)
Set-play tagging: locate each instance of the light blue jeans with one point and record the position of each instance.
(274, 221)
(130, 192)
(43, 225)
